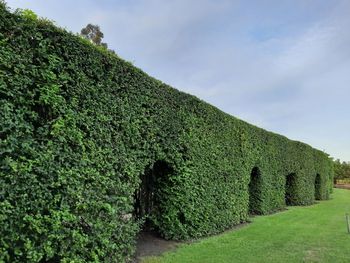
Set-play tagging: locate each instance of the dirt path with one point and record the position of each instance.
(342, 186)
(149, 244)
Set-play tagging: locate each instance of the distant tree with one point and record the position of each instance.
(94, 34)
(341, 170)
(338, 171)
(346, 170)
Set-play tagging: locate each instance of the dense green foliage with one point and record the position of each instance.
(302, 234)
(80, 128)
(341, 170)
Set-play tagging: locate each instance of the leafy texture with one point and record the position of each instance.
(80, 129)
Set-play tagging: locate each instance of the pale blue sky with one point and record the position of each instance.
(281, 65)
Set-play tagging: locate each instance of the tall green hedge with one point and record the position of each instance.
(79, 130)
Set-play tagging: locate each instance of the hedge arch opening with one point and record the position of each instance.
(290, 188)
(318, 187)
(147, 198)
(255, 192)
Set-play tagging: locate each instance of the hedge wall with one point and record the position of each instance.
(86, 139)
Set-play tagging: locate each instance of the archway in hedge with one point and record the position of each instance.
(147, 197)
(318, 187)
(290, 188)
(255, 192)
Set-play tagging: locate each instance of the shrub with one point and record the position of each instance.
(80, 131)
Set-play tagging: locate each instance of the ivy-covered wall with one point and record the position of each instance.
(90, 144)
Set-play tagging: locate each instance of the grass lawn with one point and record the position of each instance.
(314, 233)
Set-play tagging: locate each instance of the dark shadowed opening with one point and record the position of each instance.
(290, 188)
(147, 197)
(318, 187)
(255, 192)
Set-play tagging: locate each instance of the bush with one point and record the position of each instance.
(82, 134)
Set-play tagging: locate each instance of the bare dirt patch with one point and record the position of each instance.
(150, 244)
(312, 255)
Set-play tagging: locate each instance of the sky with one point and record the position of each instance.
(283, 65)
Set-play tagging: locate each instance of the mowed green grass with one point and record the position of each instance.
(316, 233)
